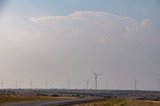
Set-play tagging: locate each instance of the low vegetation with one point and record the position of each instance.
(122, 102)
(143, 103)
(108, 102)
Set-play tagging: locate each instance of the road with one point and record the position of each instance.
(54, 103)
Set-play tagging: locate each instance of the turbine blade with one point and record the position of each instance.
(94, 72)
(99, 74)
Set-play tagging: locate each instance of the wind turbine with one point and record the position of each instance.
(159, 83)
(69, 84)
(80, 85)
(51, 86)
(46, 84)
(95, 78)
(2, 83)
(16, 84)
(87, 82)
(31, 84)
(107, 86)
(135, 84)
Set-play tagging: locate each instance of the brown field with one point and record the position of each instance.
(11, 99)
(122, 102)
(107, 102)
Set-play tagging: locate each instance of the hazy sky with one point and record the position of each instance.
(62, 40)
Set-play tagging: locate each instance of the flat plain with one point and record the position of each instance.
(122, 102)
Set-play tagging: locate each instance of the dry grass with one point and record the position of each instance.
(122, 102)
(108, 102)
(143, 103)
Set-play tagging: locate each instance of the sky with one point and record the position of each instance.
(64, 40)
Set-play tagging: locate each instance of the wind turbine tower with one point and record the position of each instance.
(31, 84)
(46, 84)
(16, 84)
(2, 83)
(95, 78)
(107, 86)
(69, 84)
(80, 85)
(135, 84)
(159, 83)
(87, 82)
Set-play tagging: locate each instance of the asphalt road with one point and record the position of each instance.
(54, 103)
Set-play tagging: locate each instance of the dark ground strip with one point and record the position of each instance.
(55, 103)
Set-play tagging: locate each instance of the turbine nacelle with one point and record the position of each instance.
(96, 73)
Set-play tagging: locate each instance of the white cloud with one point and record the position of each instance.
(92, 26)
